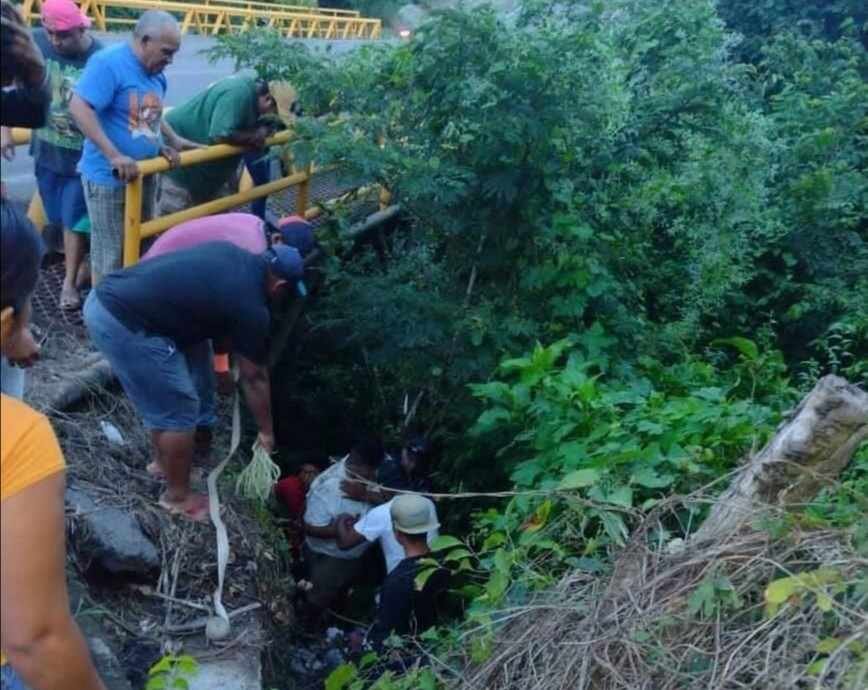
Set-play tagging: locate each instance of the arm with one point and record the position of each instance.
(88, 124)
(328, 531)
(247, 137)
(40, 637)
(26, 105)
(175, 140)
(347, 537)
(7, 146)
(257, 391)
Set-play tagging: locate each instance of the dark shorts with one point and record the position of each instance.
(329, 576)
(171, 388)
(62, 197)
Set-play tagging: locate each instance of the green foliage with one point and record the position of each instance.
(680, 198)
(365, 675)
(172, 672)
(633, 234)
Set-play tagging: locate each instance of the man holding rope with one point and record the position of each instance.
(153, 322)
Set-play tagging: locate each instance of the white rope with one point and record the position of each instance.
(214, 506)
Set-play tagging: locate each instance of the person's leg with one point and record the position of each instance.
(330, 578)
(105, 206)
(169, 197)
(73, 209)
(199, 359)
(259, 166)
(154, 375)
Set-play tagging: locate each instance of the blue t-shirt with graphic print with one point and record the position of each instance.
(128, 103)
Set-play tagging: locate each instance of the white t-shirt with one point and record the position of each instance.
(377, 524)
(325, 501)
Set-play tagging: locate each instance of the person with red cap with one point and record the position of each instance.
(66, 46)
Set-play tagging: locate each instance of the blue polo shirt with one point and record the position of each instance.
(128, 103)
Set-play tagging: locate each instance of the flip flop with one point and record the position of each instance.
(196, 508)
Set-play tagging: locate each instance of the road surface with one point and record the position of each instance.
(187, 75)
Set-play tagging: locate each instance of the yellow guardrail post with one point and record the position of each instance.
(133, 221)
(302, 194)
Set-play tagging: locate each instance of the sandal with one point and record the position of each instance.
(195, 508)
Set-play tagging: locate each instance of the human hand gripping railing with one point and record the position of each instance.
(135, 230)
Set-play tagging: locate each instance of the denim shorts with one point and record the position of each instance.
(9, 680)
(62, 197)
(172, 389)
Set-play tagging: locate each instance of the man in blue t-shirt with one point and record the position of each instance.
(118, 105)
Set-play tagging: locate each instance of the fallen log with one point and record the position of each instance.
(809, 450)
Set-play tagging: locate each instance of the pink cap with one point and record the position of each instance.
(63, 15)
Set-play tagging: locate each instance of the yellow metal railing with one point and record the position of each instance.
(135, 230)
(212, 17)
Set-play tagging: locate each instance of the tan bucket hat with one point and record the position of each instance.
(284, 96)
(411, 514)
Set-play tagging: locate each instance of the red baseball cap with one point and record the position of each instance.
(63, 15)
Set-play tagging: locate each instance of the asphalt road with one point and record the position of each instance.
(188, 74)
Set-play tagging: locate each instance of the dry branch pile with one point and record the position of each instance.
(677, 616)
(583, 634)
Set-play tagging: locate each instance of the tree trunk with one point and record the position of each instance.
(809, 449)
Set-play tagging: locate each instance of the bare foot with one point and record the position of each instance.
(194, 507)
(69, 298)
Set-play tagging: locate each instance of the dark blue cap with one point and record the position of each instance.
(286, 263)
(297, 232)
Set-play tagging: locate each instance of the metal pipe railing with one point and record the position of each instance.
(218, 16)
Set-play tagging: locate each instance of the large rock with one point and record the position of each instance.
(110, 538)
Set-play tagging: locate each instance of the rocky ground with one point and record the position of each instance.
(141, 579)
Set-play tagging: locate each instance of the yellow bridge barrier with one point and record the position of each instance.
(135, 230)
(212, 17)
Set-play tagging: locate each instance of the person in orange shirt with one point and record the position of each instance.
(43, 649)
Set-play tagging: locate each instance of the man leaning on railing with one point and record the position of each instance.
(237, 110)
(118, 106)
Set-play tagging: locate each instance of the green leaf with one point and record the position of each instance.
(496, 586)
(746, 347)
(828, 645)
(621, 496)
(650, 479)
(444, 541)
(422, 578)
(579, 479)
(458, 554)
(778, 591)
(341, 677)
(164, 665)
